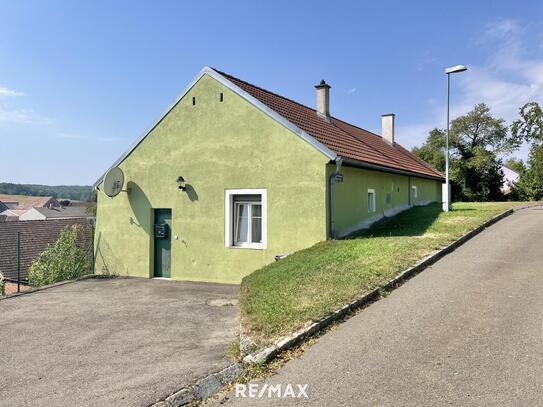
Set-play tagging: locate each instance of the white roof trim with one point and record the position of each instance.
(236, 89)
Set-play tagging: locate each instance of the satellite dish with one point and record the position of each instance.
(113, 182)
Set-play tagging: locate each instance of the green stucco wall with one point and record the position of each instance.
(215, 146)
(351, 200)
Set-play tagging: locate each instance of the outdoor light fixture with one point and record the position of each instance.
(455, 69)
(181, 183)
(447, 191)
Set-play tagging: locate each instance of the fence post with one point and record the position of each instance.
(18, 262)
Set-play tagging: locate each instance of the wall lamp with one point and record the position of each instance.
(181, 183)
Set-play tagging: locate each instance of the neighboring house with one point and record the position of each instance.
(55, 213)
(8, 204)
(510, 178)
(35, 237)
(39, 202)
(233, 175)
(12, 214)
(16, 208)
(3, 207)
(27, 202)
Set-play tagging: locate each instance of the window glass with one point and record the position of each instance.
(256, 226)
(371, 201)
(242, 223)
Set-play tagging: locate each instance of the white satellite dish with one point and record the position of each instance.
(113, 182)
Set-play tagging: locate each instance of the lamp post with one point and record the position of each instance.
(447, 191)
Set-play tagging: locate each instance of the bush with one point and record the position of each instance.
(62, 260)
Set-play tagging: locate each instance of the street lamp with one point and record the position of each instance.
(447, 190)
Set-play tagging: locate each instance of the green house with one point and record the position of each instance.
(232, 176)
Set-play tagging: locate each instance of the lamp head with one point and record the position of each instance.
(181, 183)
(455, 69)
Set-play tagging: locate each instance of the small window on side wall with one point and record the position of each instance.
(371, 200)
(414, 192)
(245, 218)
(389, 198)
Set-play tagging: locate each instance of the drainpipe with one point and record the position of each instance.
(331, 182)
(409, 191)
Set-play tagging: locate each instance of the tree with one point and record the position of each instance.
(530, 128)
(516, 164)
(62, 260)
(530, 125)
(478, 178)
(480, 130)
(477, 139)
(530, 185)
(433, 150)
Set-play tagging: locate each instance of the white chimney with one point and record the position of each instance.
(387, 122)
(323, 99)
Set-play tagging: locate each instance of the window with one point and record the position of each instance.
(414, 192)
(245, 218)
(371, 200)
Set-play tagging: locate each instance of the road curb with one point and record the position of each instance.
(203, 388)
(45, 287)
(264, 355)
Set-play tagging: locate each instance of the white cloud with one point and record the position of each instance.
(9, 92)
(16, 115)
(511, 76)
(351, 91)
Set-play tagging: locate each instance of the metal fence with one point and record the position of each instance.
(22, 242)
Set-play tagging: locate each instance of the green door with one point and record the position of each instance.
(163, 243)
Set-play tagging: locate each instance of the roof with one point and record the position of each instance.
(510, 175)
(3, 207)
(27, 201)
(334, 138)
(36, 235)
(64, 212)
(14, 212)
(345, 139)
(36, 202)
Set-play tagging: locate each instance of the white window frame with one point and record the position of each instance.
(229, 218)
(373, 201)
(414, 192)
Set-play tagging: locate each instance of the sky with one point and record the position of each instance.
(80, 81)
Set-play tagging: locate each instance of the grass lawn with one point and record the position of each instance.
(307, 285)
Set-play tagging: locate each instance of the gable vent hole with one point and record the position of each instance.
(221, 97)
(193, 101)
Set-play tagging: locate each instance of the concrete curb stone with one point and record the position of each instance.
(45, 287)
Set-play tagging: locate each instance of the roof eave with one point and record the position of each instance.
(364, 164)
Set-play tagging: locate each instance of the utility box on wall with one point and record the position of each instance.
(161, 231)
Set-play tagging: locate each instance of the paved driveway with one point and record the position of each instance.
(112, 342)
(466, 332)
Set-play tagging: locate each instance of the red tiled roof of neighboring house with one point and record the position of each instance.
(37, 202)
(27, 201)
(36, 235)
(344, 139)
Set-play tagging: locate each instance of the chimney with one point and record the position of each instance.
(323, 99)
(387, 132)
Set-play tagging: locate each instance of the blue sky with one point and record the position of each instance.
(80, 81)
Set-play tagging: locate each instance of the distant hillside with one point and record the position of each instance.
(77, 192)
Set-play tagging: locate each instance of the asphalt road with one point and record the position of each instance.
(467, 332)
(112, 342)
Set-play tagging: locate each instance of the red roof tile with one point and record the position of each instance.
(346, 140)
